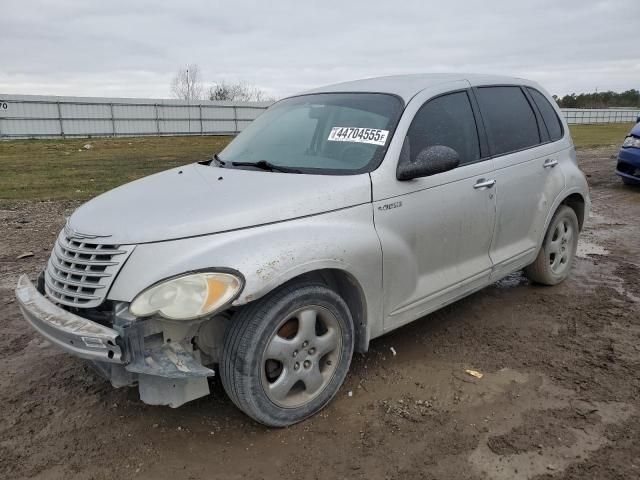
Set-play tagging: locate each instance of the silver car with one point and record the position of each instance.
(337, 216)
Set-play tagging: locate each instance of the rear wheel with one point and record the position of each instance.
(286, 355)
(558, 250)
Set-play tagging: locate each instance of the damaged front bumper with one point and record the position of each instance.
(78, 336)
(166, 373)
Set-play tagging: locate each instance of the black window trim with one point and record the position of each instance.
(562, 132)
(485, 151)
(480, 131)
(536, 114)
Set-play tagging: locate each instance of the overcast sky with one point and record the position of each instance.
(133, 48)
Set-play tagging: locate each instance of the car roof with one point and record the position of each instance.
(407, 86)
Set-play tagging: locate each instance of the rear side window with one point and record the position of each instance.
(509, 118)
(551, 120)
(447, 120)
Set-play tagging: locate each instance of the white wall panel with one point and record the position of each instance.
(35, 116)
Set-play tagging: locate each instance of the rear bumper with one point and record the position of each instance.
(78, 336)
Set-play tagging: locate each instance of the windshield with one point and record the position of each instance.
(333, 133)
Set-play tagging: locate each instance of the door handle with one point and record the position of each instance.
(482, 183)
(550, 163)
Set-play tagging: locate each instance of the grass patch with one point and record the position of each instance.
(64, 170)
(585, 136)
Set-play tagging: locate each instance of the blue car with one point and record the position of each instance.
(629, 157)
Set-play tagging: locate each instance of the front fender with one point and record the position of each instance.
(268, 256)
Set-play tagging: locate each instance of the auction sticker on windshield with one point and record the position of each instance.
(358, 135)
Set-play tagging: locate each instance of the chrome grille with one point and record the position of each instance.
(81, 271)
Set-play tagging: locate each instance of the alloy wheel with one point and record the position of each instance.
(560, 248)
(301, 356)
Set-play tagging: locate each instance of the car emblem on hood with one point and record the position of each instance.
(71, 232)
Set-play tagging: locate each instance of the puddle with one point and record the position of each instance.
(591, 276)
(586, 248)
(597, 218)
(626, 293)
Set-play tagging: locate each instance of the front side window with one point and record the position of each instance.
(509, 119)
(447, 120)
(334, 133)
(549, 115)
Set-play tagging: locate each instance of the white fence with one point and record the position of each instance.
(34, 116)
(603, 115)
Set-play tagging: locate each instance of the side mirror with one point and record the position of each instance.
(431, 160)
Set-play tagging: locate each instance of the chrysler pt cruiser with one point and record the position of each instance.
(335, 217)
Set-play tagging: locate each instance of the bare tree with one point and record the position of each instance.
(238, 92)
(186, 85)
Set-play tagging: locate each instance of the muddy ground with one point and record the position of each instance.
(560, 396)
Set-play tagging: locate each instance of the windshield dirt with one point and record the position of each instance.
(331, 133)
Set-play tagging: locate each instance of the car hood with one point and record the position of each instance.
(200, 199)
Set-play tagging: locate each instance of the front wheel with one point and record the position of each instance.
(558, 249)
(285, 356)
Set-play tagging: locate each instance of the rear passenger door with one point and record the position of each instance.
(527, 180)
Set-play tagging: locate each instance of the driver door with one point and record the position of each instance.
(436, 231)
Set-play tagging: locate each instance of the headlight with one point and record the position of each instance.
(189, 296)
(631, 142)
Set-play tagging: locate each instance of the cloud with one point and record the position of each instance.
(126, 48)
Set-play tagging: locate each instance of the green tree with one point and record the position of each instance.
(607, 99)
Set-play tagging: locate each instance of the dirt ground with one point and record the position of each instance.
(560, 396)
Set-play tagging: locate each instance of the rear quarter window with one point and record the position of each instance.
(549, 115)
(509, 118)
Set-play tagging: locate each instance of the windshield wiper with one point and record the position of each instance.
(218, 160)
(264, 165)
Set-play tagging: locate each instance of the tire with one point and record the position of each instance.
(286, 355)
(558, 250)
(628, 181)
